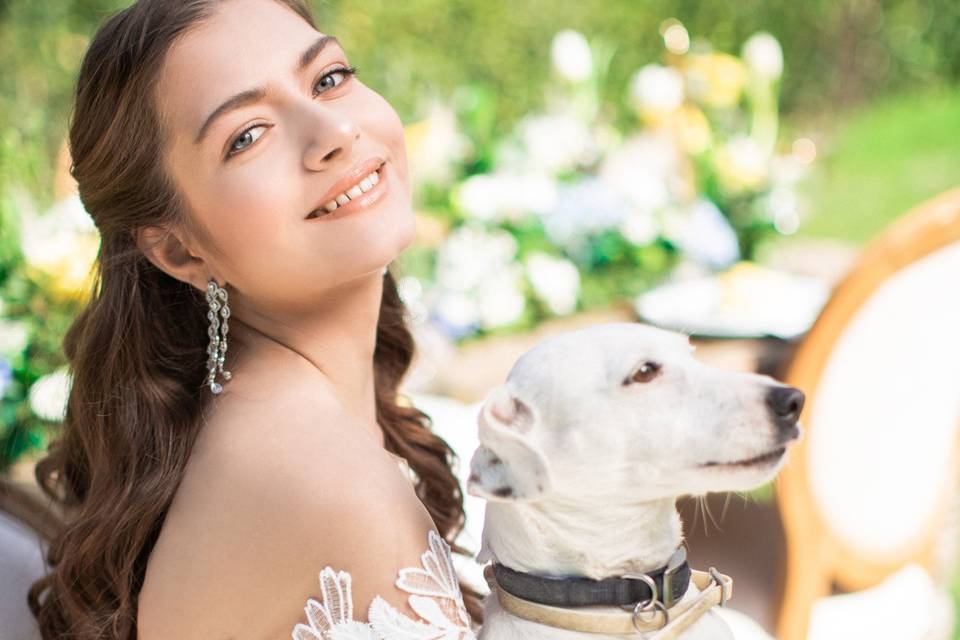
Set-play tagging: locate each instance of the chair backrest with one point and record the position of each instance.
(26, 527)
(871, 485)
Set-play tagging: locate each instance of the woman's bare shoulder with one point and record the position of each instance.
(270, 496)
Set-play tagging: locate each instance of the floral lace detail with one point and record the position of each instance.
(434, 595)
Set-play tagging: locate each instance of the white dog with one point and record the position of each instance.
(585, 448)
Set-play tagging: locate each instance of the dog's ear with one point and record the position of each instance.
(507, 466)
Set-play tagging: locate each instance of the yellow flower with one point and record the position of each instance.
(716, 79)
(742, 165)
(60, 247)
(691, 129)
(73, 275)
(416, 133)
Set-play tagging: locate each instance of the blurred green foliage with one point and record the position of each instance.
(838, 53)
(883, 160)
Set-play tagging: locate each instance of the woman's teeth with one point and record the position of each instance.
(354, 192)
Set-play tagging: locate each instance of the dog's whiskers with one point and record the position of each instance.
(726, 503)
(696, 511)
(706, 506)
(701, 505)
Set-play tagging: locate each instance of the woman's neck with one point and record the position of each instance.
(335, 342)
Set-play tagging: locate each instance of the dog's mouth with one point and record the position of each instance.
(762, 460)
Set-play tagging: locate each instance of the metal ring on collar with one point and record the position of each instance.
(650, 605)
(656, 605)
(654, 592)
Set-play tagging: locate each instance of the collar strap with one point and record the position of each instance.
(666, 624)
(665, 585)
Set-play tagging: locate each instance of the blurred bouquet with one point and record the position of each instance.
(45, 273)
(580, 207)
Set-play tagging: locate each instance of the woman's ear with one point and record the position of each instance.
(166, 250)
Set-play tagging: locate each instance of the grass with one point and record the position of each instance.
(881, 160)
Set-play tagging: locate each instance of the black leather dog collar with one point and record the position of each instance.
(671, 583)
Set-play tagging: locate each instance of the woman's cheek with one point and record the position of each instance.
(389, 128)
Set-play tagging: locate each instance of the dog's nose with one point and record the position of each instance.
(785, 403)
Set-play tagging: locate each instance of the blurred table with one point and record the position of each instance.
(467, 372)
(470, 371)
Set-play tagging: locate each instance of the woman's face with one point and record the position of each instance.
(251, 174)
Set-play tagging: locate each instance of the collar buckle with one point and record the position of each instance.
(674, 564)
(664, 595)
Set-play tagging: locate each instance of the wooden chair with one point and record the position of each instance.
(871, 486)
(26, 528)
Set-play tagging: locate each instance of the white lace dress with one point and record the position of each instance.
(434, 595)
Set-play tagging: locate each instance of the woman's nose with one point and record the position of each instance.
(330, 135)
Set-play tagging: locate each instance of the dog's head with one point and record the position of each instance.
(624, 411)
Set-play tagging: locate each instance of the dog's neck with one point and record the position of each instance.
(591, 540)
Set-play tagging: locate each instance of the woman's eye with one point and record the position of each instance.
(646, 372)
(326, 81)
(246, 139)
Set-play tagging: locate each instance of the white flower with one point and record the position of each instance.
(641, 170)
(571, 56)
(434, 144)
(704, 234)
(63, 242)
(639, 227)
(743, 163)
(410, 290)
(763, 55)
(13, 338)
(556, 281)
(583, 208)
(48, 395)
(501, 298)
(470, 254)
(556, 142)
(492, 198)
(49, 238)
(477, 281)
(657, 88)
(477, 196)
(457, 313)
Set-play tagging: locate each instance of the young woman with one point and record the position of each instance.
(236, 462)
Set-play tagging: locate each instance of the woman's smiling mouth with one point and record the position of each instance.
(358, 193)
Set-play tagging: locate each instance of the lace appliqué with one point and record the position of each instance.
(434, 595)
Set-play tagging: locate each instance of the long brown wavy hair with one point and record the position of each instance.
(137, 351)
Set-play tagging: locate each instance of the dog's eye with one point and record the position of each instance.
(646, 372)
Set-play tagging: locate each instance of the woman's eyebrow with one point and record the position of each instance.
(258, 93)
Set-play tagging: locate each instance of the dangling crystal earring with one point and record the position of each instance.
(217, 349)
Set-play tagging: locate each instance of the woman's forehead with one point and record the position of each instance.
(242, 45)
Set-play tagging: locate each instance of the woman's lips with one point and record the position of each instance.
(360, 203)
